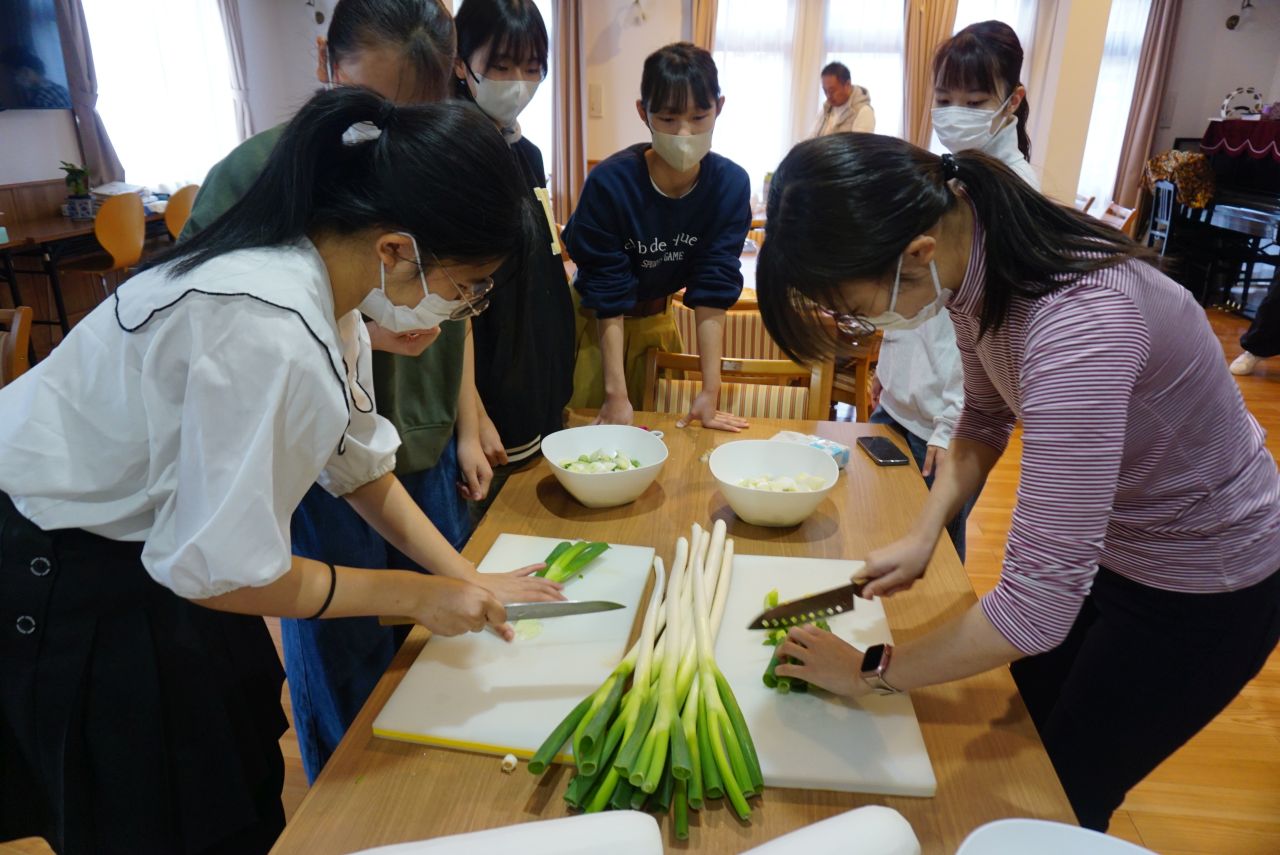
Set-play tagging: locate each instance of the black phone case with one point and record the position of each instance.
(882, 450)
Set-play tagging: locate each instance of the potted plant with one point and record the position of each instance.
(79, 202)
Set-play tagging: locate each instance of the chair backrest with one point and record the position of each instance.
(121, 227)
(751, 388)
(178, 210)
(1119, 217)
(1164, 196)
(744, 334)
(15, 339)
(1084, 203)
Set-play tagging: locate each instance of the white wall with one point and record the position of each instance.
(1209, 61)
(280, 52)
(617, 42)
(34, 142)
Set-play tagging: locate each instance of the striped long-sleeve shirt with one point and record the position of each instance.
(1138, 452)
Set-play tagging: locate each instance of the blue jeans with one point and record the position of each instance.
(333, 665)
(919, 448)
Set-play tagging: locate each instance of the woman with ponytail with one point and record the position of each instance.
(179, 425)
(1140, 589)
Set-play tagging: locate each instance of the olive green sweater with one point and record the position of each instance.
(419, 395)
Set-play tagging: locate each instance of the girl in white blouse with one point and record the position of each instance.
(150, 465)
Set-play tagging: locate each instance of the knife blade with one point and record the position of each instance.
(527, 611)
(809, 609)
(530, 611)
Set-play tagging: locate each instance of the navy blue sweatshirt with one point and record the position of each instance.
(632, 244)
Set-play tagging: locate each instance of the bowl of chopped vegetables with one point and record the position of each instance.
(773, 483)
(603, 466)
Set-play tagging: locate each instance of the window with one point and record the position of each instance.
(753, 56)
(1019, 14)
(1113, 98)
(868, 37)
(164, 87)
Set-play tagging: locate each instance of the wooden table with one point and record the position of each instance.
(986, 754)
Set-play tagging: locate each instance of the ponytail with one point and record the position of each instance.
(462, 202)
(844, 207)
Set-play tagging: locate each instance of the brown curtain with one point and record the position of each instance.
(569, 147)
(704, 24)
(99, 156)
(929, 23)
(230, 12)
(1148, 93)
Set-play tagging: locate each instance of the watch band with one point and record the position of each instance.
(875, 677)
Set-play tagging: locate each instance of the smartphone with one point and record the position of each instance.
(882, 450)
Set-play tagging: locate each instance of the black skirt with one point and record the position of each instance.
(131, 720)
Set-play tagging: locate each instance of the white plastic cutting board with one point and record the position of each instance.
(479, 693)
(813, 741)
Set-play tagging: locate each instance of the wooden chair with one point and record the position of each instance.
(744, 334)
(15, 342)
(1119, 217)
(1084, 203)
(178, 210)
(121, 229)
(751, 388)
(852, 382)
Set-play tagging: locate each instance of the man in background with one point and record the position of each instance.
(847, 108)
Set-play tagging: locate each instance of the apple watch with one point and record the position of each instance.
(874, 663)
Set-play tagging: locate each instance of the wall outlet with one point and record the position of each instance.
(595, 101)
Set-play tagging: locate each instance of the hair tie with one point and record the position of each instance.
(385, 114)
(950, 169)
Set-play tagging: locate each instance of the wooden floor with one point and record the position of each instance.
(1219, 795)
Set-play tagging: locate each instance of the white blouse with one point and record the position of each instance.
(194, 412)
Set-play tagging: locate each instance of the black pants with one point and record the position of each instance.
(1141, 672)
(131, 720)
(1263, 336)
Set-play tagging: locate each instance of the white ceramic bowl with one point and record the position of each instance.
(605, 489)
(753, 458)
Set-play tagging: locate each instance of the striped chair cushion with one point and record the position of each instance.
(744, 334)
(749, 400)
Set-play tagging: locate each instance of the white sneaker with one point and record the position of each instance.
(1244, 363)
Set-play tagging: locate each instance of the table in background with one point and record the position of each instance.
(986, 754)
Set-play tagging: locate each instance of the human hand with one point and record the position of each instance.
(823, 659)
(412, 343)
(704, 410)
(474, 469)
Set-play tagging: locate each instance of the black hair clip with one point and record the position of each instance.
(949, 167)
(385, 113)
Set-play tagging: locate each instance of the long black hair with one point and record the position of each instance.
(674, 73)
(460, 202)
(513, 29)
(844, 207)
(985, 57)
(422, 30)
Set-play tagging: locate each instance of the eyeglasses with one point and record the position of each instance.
(475, 297)
(855, 326)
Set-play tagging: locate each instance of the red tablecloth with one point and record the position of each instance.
(1239, 138)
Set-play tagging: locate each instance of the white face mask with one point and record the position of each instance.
(891, 320)
(681, 152)
(503, 100)
(427, 314)
(965, 128)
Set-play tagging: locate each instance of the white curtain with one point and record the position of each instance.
(230, 11)
(1112, 99)
(1019, 14)
(163, 93)
(754, 43)
(868, 37)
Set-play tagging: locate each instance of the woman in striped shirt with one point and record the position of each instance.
(1140, 589)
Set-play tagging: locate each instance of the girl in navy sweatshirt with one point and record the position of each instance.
(655, 218)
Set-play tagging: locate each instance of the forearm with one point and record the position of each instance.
(710, 323)
(302, 591)
(613, 356)
(967, 466)
(468, 426)
(386, 505)
(964, 647)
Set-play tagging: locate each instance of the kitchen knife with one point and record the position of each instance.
(529, 611)
(809, 609)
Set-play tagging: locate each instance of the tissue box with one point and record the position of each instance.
(838, 452)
